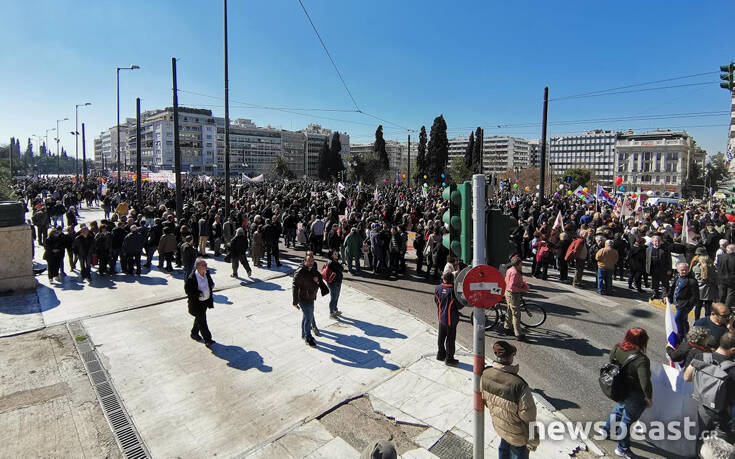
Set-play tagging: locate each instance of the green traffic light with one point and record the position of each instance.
(725, 68)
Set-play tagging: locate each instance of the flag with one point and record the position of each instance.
(687, 235)
(602, 195)
(583, 195)
(638, 205)
(728, 156)
(340, 195)
(672, 331)
(375, 195)
(559, 222)
(103, 190)
(425, 191)
(340, 187)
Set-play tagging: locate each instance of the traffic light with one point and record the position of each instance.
(465, 217)
(727, 76)
(452, 219)
(498, 246)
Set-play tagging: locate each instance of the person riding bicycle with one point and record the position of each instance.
(515, 287)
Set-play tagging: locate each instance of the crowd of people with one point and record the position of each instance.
(683, 254)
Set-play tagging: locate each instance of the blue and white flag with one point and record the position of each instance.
(602, 195)
(728, 156)
(340, 187)
(672, 331)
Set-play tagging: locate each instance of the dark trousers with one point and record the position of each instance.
(707, 305)
(419, 261)
(54, 263)
(149, 251)
(563, 268)
(132, 263)
(240, 259)
(727, 296)
(102, 261)
(42, 232)
(542, 269)
(85, 266)
(113, 260)
(659, 280)
(272, 249)
(72, 259)
(447, 335)
(168, 258)
(635, 278)
(508, 451)
(395, 261)
(200, 326)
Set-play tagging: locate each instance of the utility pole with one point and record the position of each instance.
(84, 156)
(542, 179)
(177, 150)
(227, 125)
(409, 160)
(76, 136)
(138, 168)
(58, 153)
(478, 258)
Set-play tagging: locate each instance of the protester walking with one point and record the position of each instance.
(198, 288)
(238, 253)
(305, 286)
(334, 281)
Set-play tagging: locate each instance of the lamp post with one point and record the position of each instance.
(76, 134)
(58, 153)
(132, 67)
(46, 144)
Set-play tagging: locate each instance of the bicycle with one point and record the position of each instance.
(532, 315)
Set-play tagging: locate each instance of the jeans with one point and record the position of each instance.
(334, 290)
(625, 413)
(508, 451)
(307, 310)
(604, 280)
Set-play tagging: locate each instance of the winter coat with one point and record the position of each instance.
(304, 287)
(708, 290)
(607, 258)
(637, 258)
(133, 243)
(83, 245)
(102, 244)
(239, 245)
(511, 405)
(167, 244)
(353, 245)
(257, 250)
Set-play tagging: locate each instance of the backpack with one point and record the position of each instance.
(710, 382)
(327, 274)
(612, 380)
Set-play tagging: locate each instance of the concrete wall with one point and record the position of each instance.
(16, 267)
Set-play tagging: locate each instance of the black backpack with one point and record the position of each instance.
(612, 381)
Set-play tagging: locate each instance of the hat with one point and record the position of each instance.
(700, 251)
(503, 350)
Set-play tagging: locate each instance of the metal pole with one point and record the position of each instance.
(138, 168)
(478, 258)
(76, 141)
(227, 125)
(177, 150)
(409, 160)
(542, 180)
(118, 127)
(58, 153)
(84, 156)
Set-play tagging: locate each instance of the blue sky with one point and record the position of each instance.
(478, 63)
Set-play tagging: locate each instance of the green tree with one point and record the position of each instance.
(477, 154)
(421, 160)
(580, 176)
(28, 155)
(43, 151)
(364, 168)
(280, 168)
(438, 150)
(324, 160)
(459, 172)
(379, 148)
(716, 171)
(335, 158)
(468, 154)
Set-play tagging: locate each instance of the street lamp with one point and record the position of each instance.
(46, 144)
(76, 134)
(132, 67)
(58, 153)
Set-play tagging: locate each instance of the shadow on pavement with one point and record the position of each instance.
(357, 358)
(262, 285)
(558, 403)
(560, 340)
(357, 342)
(221, 299)
(387, 284)
(372, 329)
(239, 358)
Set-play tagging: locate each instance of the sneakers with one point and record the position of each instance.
(626, 453)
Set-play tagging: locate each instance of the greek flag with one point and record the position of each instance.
(672, 331)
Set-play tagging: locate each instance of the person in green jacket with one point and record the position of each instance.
(637, 374)
(353, 249)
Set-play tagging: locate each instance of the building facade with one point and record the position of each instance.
(594, 150)
(500, 153)
(398, 157)
(534, 153)
(658, 161)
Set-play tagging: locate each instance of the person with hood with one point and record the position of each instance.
(706, 276)
(509, 399)
(353, 250)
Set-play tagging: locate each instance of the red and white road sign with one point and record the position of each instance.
(483, 286)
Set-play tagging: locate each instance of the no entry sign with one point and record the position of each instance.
(483, 286)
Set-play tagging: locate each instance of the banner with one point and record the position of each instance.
(559, 222)
(583, 195)
(257, 179)
(602, 195)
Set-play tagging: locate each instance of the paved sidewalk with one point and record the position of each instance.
(260, 390)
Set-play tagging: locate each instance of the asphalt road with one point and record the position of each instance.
(562, 358)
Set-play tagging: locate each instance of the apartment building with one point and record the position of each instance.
(594, 150)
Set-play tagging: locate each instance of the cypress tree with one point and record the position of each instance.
(324, 160)
(469, 153)
(335, 158)
(421, 163)
(438, 149)
(379, 147)
(477, 154)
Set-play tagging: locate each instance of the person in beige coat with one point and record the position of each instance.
(511, 405)
(257, 249)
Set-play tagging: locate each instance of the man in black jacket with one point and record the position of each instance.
(131, 250)
(118, 235)
(448, 312)
(685, 296)
(270, 239)
(238, 249)
(727, 277)
(198, 288)
(659, 267)
(82, 246)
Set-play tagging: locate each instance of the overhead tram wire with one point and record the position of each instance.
(591, 93)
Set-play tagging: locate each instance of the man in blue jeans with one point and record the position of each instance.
(607, 258)
(685, 295)
(305, 286)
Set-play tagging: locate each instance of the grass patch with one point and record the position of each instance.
(80, 338)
